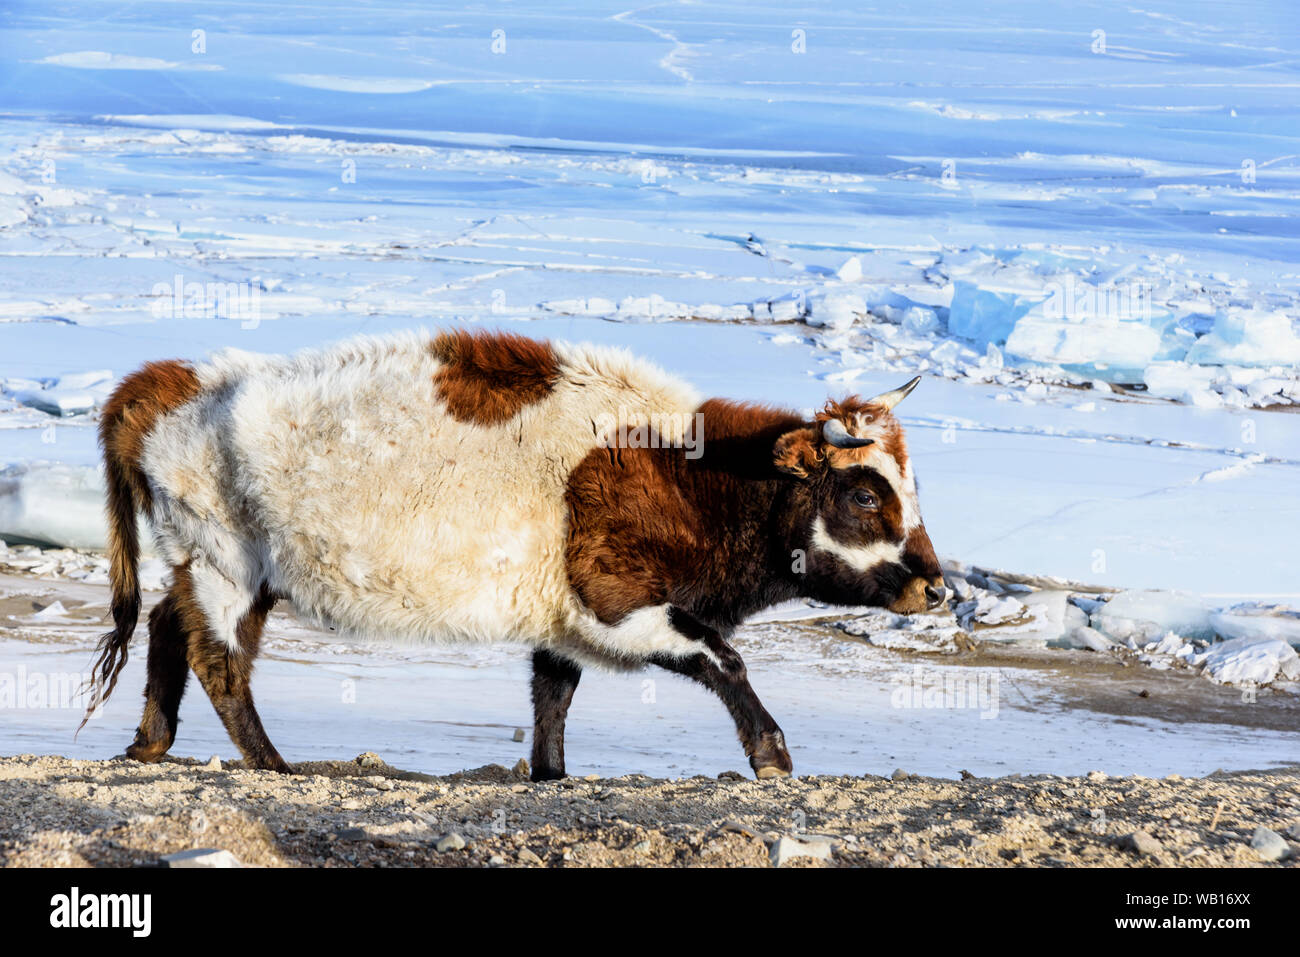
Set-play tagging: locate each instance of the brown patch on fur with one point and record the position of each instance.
(128, 417)
(619, 502)
(638, 518)
(133, 408)
(488, 377)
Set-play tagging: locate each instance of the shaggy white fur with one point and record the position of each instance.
(339, 478)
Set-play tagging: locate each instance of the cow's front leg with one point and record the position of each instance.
(554, 681)
(719, 667)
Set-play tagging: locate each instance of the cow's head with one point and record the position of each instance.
(852, 519)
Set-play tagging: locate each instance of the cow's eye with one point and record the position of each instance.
(864, 499)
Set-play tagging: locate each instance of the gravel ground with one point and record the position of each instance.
(365, 813)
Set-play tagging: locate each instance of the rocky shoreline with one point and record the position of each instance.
(118, 813)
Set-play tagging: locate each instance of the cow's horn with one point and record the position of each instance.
(891, 399)
(834, 432)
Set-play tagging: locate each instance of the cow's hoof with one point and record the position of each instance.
(770, 759)
(146, 754)
(146, 751)
(270, 762)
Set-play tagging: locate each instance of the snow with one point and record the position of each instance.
(1279, 627)
(1248, 338)
(1254, 660)
(67, 395)
(1057, 619)
(989, 610)
(1177, 380)
(985, 315)
(51, 612)
(352, 84)
(1086, 637)
(52, 503)
(99, 60)
(928, 634)
(1147, 613)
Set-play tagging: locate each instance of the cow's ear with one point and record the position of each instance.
(796, 452)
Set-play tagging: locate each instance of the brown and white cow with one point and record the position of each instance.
(490, 487)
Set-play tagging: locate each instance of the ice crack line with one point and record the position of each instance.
(671, 62)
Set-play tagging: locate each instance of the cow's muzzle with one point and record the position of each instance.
(920, 595)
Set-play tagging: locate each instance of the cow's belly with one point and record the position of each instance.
(428, 575)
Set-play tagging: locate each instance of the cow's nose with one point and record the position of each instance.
(934, 595)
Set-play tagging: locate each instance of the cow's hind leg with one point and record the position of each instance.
(720, 668)
(554, 681)
(221, 650)
(167, 672)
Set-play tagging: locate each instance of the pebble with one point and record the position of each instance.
(1143, 844)
(789, 847)
(528, 857)
(202, 857)
(1269, 844)
(735, 827)
(368, 759)
(521, 767)
(214, 764)
(899, 775)
(451, 842)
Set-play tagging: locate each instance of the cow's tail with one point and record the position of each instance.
(128, 416)
(123, 574)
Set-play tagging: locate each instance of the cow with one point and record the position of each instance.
(485, 486)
